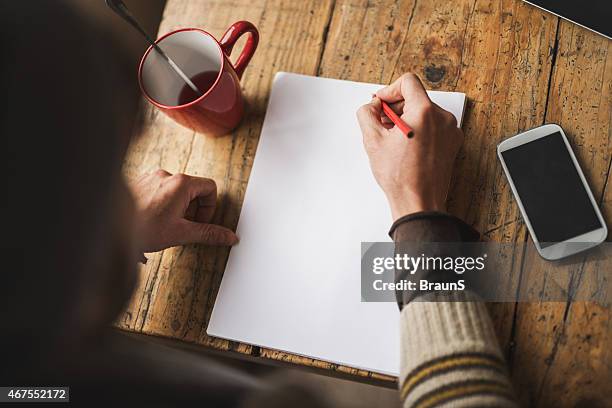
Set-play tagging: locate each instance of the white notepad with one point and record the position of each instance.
(293, 281)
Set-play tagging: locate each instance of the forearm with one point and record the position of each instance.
(449, 352)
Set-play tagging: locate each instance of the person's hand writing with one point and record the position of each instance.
(176, 210)
(414, 173)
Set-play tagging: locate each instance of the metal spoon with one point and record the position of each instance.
(122, 11)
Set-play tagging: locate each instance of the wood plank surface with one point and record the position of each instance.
(521, 67)
(486, 49)
(562, 352)
(178, 286)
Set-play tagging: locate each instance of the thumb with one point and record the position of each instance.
(208, 234)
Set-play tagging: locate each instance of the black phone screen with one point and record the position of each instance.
(594, 14)
(551, 190)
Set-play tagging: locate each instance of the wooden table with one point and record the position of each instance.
(520, 67)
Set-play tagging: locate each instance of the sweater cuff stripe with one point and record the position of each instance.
(447, 364)
(463, 389)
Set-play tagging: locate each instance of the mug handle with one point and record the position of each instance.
(231, 36)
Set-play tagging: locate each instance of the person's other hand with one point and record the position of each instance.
(176, 210)
(414, 173)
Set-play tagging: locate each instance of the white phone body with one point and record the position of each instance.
(572, 245)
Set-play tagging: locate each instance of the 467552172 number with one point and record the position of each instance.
(40, 394)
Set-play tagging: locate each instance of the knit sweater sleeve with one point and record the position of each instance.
(450, 356)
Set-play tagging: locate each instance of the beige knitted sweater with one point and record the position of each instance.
(450, 356)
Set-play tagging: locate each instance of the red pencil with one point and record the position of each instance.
(401, 125)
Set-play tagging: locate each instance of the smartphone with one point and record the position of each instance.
(552, 193)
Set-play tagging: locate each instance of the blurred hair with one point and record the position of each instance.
(68, 108)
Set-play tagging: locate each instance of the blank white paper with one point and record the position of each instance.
(293, 281)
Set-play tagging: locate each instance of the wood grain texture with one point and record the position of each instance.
(520, 67)
(178, 286)
(562, 354)
(499, 53)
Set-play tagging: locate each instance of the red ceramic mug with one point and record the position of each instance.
(206, 62)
